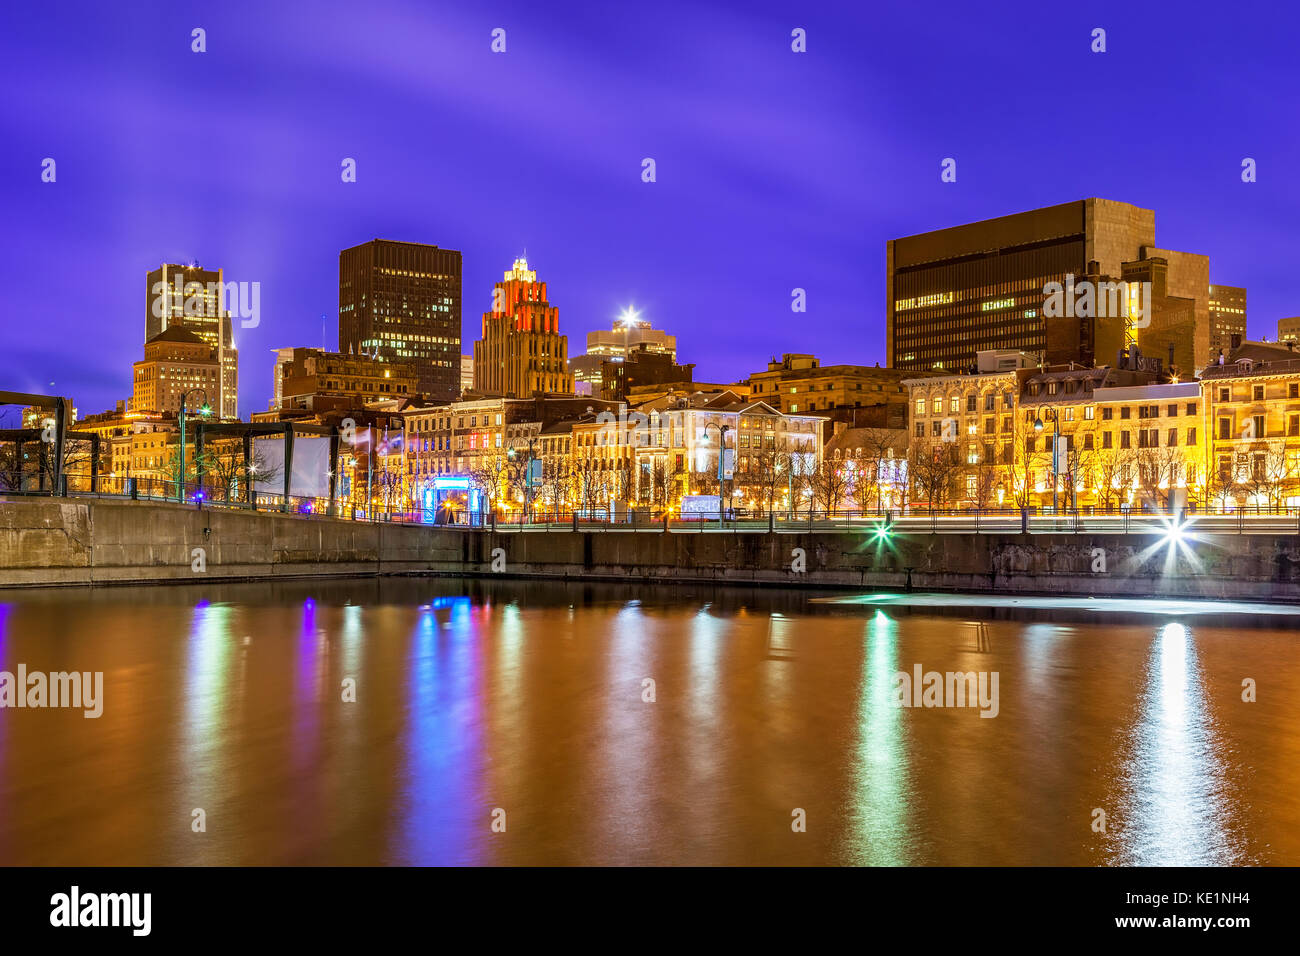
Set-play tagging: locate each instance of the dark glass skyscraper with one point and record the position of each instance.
(957, 291)
(400, 302)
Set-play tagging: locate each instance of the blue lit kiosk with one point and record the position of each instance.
(452, 499)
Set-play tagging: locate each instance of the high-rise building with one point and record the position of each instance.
(1227, 317)
(196, 298)
(983, 286)
(400, 302)
(176, 362)
(466, 373)
(522, 352)
(1288, 330)
(628, 333)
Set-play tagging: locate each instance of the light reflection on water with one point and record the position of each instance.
(1178, 804)
(532, 699)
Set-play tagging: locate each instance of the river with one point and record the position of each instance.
(450, 721)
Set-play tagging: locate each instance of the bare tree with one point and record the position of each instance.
(828, 484)
(934, 468)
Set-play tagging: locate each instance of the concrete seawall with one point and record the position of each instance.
(51, 542)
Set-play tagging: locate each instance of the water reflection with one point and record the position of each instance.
(443, 813)
(530, 697)
(1177, 801)
(879, 816)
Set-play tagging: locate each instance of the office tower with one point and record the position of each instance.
(628, 333)
(176, 362)
(400, 302)
(198, 299)
(1288, 330)
(982, 286)
(1227, 317)
(522, 352)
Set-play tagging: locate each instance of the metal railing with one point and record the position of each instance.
(645, 518)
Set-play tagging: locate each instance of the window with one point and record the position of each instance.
(1124, 412)
(1087, 442)
(1007, 399)
(1105, 440)
(989, 401)
(1191, 436)
(934, 428)
(1293, 425)
(1172, 441)
(1172, 411)
(1124, 440)
(954, 404)
(1088, 412)
(1107, 414)
(1225, 394)
(1191, 408)
(1257, 393)
(1225, 429)
(920, 406)
(938, 405)
(920, 429)
(1259, 426)
(1293, 390)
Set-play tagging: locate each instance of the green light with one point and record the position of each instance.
(205, 410)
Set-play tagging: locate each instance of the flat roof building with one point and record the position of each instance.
(954, 292)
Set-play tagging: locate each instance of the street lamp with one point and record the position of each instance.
(204, 410)
(1056, 445)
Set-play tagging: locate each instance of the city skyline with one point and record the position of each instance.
(735, 123)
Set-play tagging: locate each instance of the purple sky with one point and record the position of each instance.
(775, 169)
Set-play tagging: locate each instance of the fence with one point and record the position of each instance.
(1254, 520)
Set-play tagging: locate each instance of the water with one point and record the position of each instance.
(528, 698)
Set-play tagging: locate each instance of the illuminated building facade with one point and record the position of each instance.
(1253, 402)
(1227, 318)
(1288, 329)
(399, 302)
(307, 373)
(193, 297)
(175, 362)
(800, 383)
(674, 448)
(522, 352)
(981, 286)
(989, 440)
